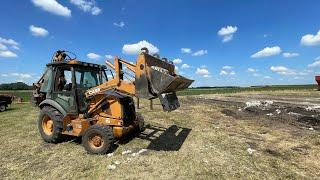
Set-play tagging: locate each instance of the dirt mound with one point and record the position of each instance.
(301, 116)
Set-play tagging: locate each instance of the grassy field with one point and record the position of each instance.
(196, 141)
(26, 94)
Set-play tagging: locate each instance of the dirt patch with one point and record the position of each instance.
(298, 115)
(273, 152)
(301, 149)
(310, 120)
(229, 112)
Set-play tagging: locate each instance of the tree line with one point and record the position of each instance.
(15, 86)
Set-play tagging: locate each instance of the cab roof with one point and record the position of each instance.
(77, 63)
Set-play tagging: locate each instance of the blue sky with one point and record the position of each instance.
(216, 43)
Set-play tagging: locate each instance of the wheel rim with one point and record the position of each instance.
(47, 125)
(96, 141)
(2, 108)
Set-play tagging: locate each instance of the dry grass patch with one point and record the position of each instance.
(195, 142)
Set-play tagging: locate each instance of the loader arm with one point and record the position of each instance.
(153, 78)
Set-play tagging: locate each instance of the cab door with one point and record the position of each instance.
(63, 91)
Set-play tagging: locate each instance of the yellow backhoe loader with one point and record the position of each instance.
(79, 98)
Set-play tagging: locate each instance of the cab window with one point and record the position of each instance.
(87, 79)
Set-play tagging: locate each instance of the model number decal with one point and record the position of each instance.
(160, 69)
(93, 91)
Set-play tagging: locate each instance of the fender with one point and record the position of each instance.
(53, 104)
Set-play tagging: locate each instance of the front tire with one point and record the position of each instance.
(98, 139)
(2, 108)
(50, 125)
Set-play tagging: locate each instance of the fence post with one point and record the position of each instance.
(151, 104)
(138, 103)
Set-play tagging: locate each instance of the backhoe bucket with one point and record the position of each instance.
(157, 78)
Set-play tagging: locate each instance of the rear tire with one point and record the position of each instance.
(2, 108)
(98, 139)
(50, 125)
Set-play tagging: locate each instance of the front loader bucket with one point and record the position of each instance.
(165, 86)
(165, 83)
(156, 78)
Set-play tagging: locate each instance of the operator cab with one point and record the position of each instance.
(66, 82)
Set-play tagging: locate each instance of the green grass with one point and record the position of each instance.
(198, 91)
(24, 94)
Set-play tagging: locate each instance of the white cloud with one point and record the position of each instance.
(87, 6)
(256, 75)
(3, 47)
(185, 66)
(203, 72)
(222, 73)
(316, 63)
(305, 73)
(227, 33)
(8, 54)
(226, 73)
(290, 55)
(134, 49)
(310, 39)
(109, 57)
(177, 61)
(268, 51)
(93, 56)
(38, 31)
(121, 24)
(53, 7)
(96, 10)
(298, 77)
(200, 52)
(10, 42)
(25, 76)
(252, 70)
(186, 50)
(227, 30)
(226, 70)
(15, 47)
(4, 50)
(282, 70)
(267, 77)
(19, 75)
(227, 67)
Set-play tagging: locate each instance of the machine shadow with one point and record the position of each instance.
(11, 109)
(162, 139)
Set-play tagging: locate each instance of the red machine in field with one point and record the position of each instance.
(318, 81)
